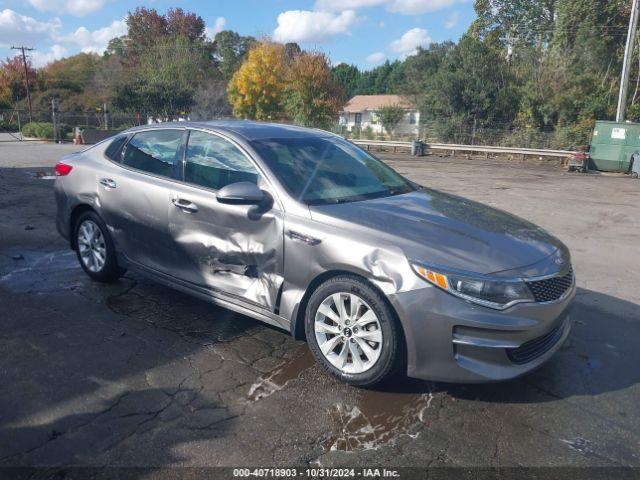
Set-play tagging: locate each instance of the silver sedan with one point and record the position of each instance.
(307, 232)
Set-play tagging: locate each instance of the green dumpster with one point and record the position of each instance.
(613, 144)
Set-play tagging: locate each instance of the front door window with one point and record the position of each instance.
(213, 162)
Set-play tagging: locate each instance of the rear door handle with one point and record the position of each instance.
(185, 205)
(107, 182)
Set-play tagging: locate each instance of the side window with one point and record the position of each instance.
(214, 162)
(154, 151)
(113, 150)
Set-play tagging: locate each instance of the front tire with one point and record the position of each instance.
(352, 332)
(94, 248)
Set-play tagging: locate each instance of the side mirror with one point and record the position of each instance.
(241, 193)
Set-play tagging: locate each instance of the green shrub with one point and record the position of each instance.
(525, 138)
(38, 130)
(44, 130)
(570, 137)
(367, 133)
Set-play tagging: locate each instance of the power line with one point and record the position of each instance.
(22, 48)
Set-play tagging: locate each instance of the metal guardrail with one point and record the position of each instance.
(541, 152)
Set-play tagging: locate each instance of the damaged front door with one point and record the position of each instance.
(228, 248)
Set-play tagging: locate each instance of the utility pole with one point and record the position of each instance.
(22, 48)
(626, 64)
(54, 119)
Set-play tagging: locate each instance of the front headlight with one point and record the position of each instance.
(498, 294)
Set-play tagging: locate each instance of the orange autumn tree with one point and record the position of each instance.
(12, 84)
(312, 97)
(257, 88)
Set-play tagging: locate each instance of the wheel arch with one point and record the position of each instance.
(297, 326)
(73, 218)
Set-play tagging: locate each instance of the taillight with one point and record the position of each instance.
(62, 169)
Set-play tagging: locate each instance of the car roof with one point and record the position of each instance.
(249, 130)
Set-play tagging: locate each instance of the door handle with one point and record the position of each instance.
(185, 205)
(107, 182)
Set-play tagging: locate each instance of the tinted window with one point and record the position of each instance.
(114, 147)
(317, 170)
(154, 151)
(214, 162)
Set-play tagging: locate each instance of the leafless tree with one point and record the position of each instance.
(211, 101)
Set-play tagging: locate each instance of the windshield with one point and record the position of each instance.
(324, 170)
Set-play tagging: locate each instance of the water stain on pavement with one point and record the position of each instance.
(376, 418)
(41, 271)
(278, 378)
(373, 419)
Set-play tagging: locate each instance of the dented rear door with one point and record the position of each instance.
(236, 250)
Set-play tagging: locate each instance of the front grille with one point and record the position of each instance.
(551, 289)
(532, 349)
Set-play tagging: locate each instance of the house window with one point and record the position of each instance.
(358, 119)
(412, 118)
(374, 118)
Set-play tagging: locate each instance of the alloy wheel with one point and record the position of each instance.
(348, 332)
(92, 246)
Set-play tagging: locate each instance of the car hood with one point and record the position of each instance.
(446, 230)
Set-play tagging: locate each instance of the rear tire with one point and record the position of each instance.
(94, 248)
(358, 342)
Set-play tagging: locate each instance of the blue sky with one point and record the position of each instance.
(362, 32)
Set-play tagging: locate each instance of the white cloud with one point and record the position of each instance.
(77, 8)
(218, 26)
(56, 52)
(452, 20)
(20, 29)
(308, 26)
(340, 5)
(95, 41)
(376, 57)
(410, 41)
(418, 7)
(405, 7)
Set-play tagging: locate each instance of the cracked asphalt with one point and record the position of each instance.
(136, 374)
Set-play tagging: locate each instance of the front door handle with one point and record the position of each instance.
(107, 182)
(185, 205)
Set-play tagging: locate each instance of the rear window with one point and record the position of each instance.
(154, 151)
(113, 150)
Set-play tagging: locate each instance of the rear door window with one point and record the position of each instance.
(154, 151)
(113, 150)
(213, 162)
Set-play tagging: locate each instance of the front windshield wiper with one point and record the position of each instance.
(359, 198)
(398, 191)
(343, 200)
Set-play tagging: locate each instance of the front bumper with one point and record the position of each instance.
(452, 340)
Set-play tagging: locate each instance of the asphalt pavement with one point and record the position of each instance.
(135, 374)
